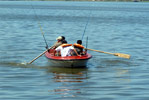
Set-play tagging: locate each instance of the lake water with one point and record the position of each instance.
(113, 27)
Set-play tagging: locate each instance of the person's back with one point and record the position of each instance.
(78, 46)
(65, 49)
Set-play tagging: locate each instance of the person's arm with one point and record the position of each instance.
(76, 52)
(55, 50)
(58, 51)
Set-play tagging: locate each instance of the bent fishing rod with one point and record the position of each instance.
(40, 26)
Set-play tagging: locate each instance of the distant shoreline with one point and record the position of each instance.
(87, 0)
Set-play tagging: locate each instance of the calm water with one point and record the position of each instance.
(113, 27)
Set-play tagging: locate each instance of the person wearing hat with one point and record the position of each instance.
(58, 43)
(63, 38)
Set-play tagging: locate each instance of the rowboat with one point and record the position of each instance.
(68, 61)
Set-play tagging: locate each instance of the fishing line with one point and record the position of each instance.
(40, 26)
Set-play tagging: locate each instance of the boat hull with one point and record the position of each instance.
(69, 61)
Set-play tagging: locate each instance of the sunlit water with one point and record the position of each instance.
(113, 27)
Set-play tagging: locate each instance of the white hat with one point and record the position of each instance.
(59, 38)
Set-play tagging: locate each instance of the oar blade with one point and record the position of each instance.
(122, 55)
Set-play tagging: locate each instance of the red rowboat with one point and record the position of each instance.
(68, 61)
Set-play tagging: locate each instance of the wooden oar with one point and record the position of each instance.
(115, 54)
(40, 55)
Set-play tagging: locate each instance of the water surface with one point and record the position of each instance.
(113, 27)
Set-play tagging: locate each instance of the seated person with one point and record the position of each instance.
(59, 42)
(79, 48)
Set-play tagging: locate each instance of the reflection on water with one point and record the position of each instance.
(123, 75)
(68, 74)
(119, 68)
(69, 80)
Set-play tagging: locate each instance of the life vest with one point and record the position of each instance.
(78, 45)
(66, 45)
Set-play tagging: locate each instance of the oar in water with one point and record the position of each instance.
(39, 55)
(115, 54)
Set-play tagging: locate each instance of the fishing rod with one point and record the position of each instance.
(86, 43)
(86, 25)
(40, 26)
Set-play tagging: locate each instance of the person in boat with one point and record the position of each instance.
(65, 49)
(79, 47)
(63, 38)
(59, 41)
